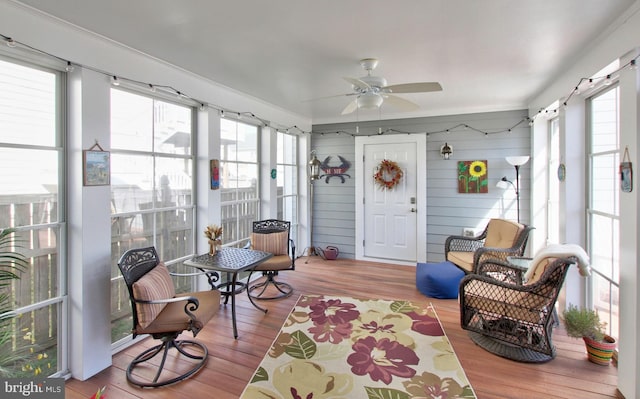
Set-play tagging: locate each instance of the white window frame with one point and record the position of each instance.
(242, 231)
(592, 233)
(59, 299)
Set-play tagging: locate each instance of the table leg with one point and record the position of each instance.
(233, 304)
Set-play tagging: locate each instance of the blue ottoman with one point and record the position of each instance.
(438, 280)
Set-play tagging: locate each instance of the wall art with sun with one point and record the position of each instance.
(473, 177)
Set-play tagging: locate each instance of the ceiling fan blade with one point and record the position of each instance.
(400, 103)
(327, 97)
(352, 106)
(413, 87)
(358, 83)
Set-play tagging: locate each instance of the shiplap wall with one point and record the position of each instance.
(448, 212)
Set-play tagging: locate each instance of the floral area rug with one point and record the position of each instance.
(341, 347)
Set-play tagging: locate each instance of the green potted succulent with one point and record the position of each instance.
(586, 324)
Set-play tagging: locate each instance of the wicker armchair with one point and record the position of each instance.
(509, 318)
(501, 238)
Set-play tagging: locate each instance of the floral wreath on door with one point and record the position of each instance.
(388, 174)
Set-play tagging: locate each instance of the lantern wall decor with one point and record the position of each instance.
(446, 151)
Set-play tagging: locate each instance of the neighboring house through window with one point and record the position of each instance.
(240, 202)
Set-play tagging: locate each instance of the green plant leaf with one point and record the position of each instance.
(385, 393)
(261, 375)
(302, 347)
(402, 307)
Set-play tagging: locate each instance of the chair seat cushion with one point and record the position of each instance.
(174, 318)
(462, 259)
(278, 262)
(438, 280)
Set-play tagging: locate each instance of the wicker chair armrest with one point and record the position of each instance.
(490, 253)
(462, 244)
(501, 271)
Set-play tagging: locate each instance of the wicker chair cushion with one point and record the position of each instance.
(538, 270)
(275, 243)
(502, 233)
(156, 284)
(461, 259)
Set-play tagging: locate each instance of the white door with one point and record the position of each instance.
(390, 218)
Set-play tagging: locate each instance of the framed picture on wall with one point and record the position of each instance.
(626, 173)
(473, 177)
(214, 173)
(96, 168)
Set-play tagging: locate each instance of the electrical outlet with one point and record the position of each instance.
(468, 232)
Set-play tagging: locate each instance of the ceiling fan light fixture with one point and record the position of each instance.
(370, 101)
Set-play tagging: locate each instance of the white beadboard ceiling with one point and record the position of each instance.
(488, 55)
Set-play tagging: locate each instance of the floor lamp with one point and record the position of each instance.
(314, 174)
(517, 162)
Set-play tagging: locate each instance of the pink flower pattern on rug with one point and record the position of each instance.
(338, 347)
(382, 359)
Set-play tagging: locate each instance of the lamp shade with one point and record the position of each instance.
(370, 101)
(518, 160)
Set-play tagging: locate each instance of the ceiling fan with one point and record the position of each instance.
(371, 91)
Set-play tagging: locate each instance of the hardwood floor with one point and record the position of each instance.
(232, 362)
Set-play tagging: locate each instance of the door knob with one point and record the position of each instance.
(414, 210)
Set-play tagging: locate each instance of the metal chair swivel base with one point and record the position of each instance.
(168, 342)
(284, 289)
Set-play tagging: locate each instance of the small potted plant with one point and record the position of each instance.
(586, 324)
(214, 235)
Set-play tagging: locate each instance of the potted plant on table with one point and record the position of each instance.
(586, 324)
(214, 235)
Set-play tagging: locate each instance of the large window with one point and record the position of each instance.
(240, 204)
(553, 199)
(603, 209)
(32, 181)
(287, 167)
(151, 189)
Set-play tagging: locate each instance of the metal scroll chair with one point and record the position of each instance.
(510, 318)
(501, 238)
(159, 312)
(272, 236)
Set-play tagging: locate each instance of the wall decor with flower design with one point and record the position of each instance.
(473, 177)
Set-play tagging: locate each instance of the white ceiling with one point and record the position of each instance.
(488, 55)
